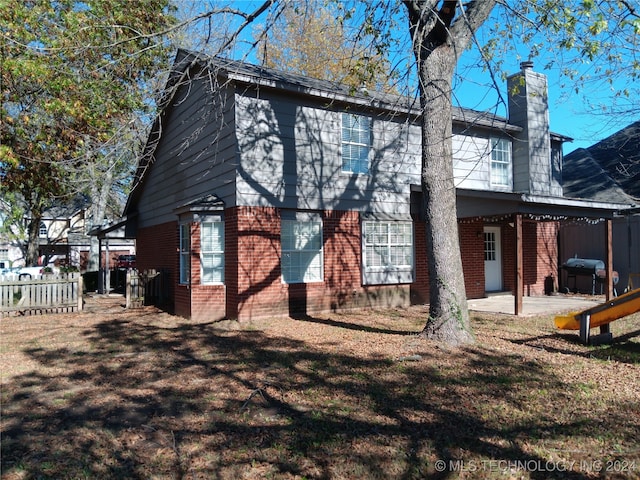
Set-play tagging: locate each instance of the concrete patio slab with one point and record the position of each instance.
(543, 305)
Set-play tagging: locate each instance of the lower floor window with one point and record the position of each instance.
(302, 260)
(387, 252)
(185, 244)
(212, 252)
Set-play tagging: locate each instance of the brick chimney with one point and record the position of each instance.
(533, 171)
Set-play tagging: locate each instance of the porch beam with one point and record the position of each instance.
(519, 287)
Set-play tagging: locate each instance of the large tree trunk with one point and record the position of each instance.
(440, 31)
(448, 313)
(99, 193)
(33, 240)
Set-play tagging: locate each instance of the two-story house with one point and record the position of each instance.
(63, 239)
(266, 193)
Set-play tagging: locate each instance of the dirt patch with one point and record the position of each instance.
(112, 393)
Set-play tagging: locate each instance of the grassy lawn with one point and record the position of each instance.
(142, 394)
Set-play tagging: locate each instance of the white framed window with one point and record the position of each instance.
(302, 254)
(42, 230)
(185, 251)
(387, 252)
(356, 143)
(500, 162)
(212, 252)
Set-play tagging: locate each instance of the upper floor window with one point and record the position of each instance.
(500, 162)
(356, 143)
(302, 258)
(212, 252)
(185, 250)
(42, 230)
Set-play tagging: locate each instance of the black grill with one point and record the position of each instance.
(588, 267)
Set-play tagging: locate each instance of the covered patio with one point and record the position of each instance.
(535, 305)
(514, 209)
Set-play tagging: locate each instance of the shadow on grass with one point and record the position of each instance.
(350, 326)
(621, 349)
(138, 400)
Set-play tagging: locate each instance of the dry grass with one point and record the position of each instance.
(122, 394)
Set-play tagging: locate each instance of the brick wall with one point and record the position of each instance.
(157, 248)
(472, 251)
(420, 287)
(253, 282)
(207, 302)
(255, 288)
(539, 256)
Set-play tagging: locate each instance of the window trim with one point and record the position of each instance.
(388, 274)
(212, 252)
(319, 253)
(184, 256)
(496, 144)
(350, 143)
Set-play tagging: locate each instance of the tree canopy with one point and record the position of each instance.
(313, 39)
(73, 77)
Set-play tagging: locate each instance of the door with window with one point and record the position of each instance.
(492, 259)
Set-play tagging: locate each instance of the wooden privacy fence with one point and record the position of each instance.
(145, 288)
(43, 294)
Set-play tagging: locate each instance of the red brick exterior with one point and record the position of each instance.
(539, 256)
(254, 282)
(472, 251)
(157, 248)
(253, 279)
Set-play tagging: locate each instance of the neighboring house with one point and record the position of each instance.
(266, 193)
(62, 239)
(607, 171)
(59, 237)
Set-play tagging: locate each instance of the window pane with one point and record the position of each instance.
(388, 244)
(489, 246)
(212, 268)
(184, 253)
(301, 244)
(212, 237)
(500, 161)
(212, 252)
(356, 143)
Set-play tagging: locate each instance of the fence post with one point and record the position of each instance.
(127, 289)
(80, 293)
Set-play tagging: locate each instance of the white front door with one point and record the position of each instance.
(492, 260)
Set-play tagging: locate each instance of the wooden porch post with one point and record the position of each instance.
(608, 241)
(517, 223)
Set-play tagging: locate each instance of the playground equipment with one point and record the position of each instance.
(600, 316)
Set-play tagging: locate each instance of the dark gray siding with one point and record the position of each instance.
(291, 158)
(528, 108)
(196, 155)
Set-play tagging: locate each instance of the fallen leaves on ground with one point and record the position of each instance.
(114, 393)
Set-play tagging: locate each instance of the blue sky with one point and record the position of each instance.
(578, 115)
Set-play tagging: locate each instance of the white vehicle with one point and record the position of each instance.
(31, 272)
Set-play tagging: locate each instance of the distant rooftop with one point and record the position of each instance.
(606, 171)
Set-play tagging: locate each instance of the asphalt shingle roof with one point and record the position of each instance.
(606, 171)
